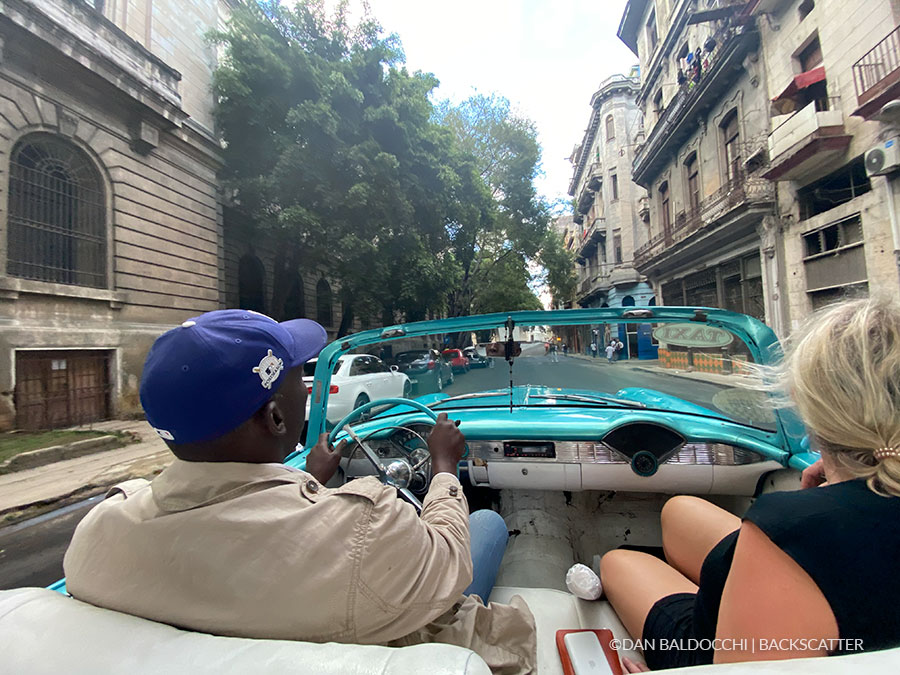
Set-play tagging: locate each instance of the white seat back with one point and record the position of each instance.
(42, 631)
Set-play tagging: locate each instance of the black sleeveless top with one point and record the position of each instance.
(846, 537)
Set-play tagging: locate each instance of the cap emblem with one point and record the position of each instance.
(269, 369)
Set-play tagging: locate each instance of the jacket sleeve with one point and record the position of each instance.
(414, 568)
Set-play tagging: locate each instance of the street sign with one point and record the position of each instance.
(692, 335)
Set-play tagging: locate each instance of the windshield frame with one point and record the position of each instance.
(760, 340)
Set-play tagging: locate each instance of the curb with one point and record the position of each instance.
(57, 453)
(98, 485)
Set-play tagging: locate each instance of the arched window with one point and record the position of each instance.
(251, 283)
(295, 303)
(323, 303)
(610, 128)
(57, 214)
(628, 301)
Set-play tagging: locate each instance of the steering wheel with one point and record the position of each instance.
(398, 473)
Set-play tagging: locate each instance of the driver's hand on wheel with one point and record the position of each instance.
(322, 461)
(446, 444)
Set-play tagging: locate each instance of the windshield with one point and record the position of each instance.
(687, 367)
(309, 368)
(407, 357)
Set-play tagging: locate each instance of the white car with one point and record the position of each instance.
(356, 380)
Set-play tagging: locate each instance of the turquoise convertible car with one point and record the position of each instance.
(578, 454)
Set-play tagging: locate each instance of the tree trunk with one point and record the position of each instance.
(346, 326)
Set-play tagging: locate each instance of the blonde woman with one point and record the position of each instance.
(805, 573)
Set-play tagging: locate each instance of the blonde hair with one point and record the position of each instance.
(842, 371)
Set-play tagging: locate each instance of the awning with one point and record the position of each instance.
(800, 82)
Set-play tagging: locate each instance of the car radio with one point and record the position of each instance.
(524, 449)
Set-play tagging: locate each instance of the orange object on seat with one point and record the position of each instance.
(603, 634)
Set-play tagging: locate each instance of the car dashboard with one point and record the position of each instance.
(639, 455)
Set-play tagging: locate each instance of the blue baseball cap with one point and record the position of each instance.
(212, 373)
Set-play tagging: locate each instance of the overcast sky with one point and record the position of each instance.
(546, 56)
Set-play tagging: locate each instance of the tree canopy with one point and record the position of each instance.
(334, 151)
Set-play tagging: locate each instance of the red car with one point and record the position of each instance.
(458, 361)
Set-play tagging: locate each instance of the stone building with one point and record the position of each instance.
(706, 116)
(110, 216)
(833, 69)
(607, 226)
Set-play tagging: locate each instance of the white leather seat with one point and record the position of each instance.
(560, 610)
(42, 631)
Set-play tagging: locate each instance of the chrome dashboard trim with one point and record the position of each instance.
(703, 454)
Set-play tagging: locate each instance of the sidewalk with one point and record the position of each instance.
(82, 477)
(652, 366)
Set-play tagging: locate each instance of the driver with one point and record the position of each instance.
(227, 540)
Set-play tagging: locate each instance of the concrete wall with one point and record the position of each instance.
(175, 31)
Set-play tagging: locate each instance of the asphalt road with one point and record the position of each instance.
(534, 367)
(31, 552)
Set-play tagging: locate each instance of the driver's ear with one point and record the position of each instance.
(273, 419)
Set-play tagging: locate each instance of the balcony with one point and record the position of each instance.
(804, 140)
(624, 276)
(592, 237)
(678, 122)
(594, 285)
(85, 36)
(729, 213)
(876, 76)
(595, 176)
(644, 209)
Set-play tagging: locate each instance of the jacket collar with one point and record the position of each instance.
(186, 485)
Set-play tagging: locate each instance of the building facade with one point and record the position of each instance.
(832, 70)
(110, 216)
(607, 225)
(711, 211)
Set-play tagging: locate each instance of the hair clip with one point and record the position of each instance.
(881, 453)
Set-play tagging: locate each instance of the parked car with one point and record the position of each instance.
(458, 361)
(356, 380)
(427, 370)
(476, 360)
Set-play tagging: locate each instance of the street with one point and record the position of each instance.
(577, 372)
(31, 552)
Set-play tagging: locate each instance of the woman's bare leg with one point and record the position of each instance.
(634, 581)
(691, 527)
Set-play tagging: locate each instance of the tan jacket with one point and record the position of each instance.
(263, 551)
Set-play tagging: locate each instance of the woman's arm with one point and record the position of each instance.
(770, 605)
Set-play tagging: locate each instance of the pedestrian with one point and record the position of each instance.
(619, 346)
(565, 349)
(610, 352)
(554, 353)
(594, 350)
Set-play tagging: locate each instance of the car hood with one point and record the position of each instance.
(529, 394)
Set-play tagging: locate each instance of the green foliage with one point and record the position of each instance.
(559, 267)
(506, 157)
(335, 152)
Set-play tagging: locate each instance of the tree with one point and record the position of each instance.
(559, 268)
(332, 152)
(335, 153)
(506, 157)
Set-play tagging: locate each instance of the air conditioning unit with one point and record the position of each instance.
(883, 158)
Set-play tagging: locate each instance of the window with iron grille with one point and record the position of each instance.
(57, 214)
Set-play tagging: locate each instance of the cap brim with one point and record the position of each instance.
(309, 339)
